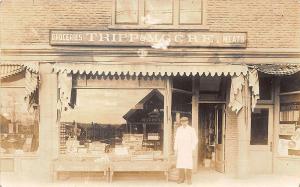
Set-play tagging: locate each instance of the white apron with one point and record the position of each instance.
(185, 143)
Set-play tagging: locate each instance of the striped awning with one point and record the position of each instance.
(31, 70)
(10, 69)
(32, 67)
(277, 69)
(166, 69)
(7, 70)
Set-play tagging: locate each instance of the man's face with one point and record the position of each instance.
(184, 123)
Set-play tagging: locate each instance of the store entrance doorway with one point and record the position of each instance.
(211, 150)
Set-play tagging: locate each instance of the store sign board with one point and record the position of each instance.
(160, 39)
(287, 129)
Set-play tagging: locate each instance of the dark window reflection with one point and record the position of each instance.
(265, 87)
(182, 83)
(213, 88)
(220, 125)
(259, 127)
(290, 83)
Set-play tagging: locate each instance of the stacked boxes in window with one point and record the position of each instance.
(292, 115)
(120, 153)
(62, 138)
(133, 141)
(153, 136)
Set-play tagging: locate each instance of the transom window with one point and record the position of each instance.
(157, 13)
(266, 87)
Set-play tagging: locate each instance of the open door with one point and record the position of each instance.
(220, 130)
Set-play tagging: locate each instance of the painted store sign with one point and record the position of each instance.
(147, 38)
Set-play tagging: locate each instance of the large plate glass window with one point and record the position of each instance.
(122, 115)
(19, 129)
(289, 126)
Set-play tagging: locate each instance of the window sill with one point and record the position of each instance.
(159, 27)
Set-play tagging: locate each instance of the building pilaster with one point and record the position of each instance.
(244, 131)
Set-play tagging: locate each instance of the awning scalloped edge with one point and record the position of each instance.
(151, 70)
(10, 69)
(32, 67)
(31, 77)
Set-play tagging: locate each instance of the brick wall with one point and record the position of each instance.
(231, 143)
(269, 23)
(29, 21)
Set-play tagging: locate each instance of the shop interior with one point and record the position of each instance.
(211, 128)
(210, 133)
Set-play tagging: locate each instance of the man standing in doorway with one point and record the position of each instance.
(184, 145)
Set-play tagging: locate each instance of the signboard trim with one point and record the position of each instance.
(214, 36)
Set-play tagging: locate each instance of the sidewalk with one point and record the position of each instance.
(206, 178)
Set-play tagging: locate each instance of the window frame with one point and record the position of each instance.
(175, 21)
(84, 85)
(267, 126)
(272, 100)
(271, 127)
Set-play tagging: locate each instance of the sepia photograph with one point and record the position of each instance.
(132, 93)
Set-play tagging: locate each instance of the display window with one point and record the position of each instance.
(289, 126)
(289, 129)
(120, 116)
(19, 133)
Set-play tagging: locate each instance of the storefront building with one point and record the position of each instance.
(101, 86)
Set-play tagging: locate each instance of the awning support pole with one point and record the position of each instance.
(195, 118)
(167, 145)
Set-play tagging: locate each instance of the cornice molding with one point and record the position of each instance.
(145, 55)
(265, 52)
